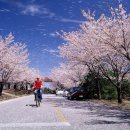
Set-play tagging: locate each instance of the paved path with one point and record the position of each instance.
(57, 113)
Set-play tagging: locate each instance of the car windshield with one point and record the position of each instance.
(68, 89)
(76, 88)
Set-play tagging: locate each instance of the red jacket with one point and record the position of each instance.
(37, 84)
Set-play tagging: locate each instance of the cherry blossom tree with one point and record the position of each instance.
(114, 31)
(114, 36)
(102, 44)
(14, 62)
(69, 74)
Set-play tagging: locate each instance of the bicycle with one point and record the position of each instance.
(38, 98)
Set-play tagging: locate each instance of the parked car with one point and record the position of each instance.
(77, 93)
(65, 92)
(59, 92)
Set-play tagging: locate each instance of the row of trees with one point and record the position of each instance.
(101, 46)
(14, 62)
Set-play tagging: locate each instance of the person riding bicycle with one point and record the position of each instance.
(37, 85)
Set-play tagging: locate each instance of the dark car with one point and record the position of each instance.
(77, 93)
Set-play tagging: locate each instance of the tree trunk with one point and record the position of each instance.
(26, 87)
(1, 88)
(119, 94)
(8, 85)
(98, 88)
(15, 86)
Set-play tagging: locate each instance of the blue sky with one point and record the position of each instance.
(35, 23)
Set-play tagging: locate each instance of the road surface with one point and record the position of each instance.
(58, 113)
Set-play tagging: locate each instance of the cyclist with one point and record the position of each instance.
(36, 86)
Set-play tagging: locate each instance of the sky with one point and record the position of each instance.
(35, 23)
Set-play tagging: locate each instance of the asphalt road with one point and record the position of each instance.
(58, 113)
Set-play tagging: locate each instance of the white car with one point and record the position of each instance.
(59, 92)
(65, 92)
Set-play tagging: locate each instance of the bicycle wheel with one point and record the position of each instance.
(36, 100)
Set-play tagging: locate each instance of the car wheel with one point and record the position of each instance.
(70, 98)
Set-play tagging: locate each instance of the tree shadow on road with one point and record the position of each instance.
(99, 110)
(96, 122)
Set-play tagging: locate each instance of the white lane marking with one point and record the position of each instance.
(3, 125)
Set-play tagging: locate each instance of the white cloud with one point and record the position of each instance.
(32, 10)
(4, 10)
(44, 34)
(53, 34)
(51, 51)
(71, 20)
